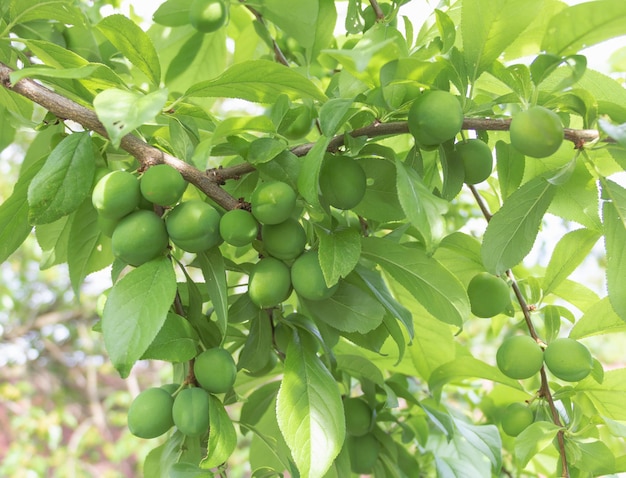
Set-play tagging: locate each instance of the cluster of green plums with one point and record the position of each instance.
(436, 117)
(156, 410)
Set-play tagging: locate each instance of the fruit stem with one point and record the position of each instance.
(278, 53)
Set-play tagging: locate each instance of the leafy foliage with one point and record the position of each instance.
(375, 314)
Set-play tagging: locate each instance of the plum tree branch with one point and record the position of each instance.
(544, 389)
(66, 109)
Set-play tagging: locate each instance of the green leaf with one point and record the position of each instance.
(133, 43)
(222, 435)
(512, 230)
(256, 351)
(22, 11)
(614, 240)
(361, 368)
(123, 111)
(260, 81)
(617, 132)
(64, 181)
(339, 253)
(308, 179)
(263, 150)
(214, 272)
(489, 26)
(484, 438)
(583, 25)
(607, 397)
(177, 341)
(350, 309)
(46, 72)
(259, 402)
(14, 224)
(534, 439)
(173, 13)
(599, 319)
(380, 202)
(570, 251)
(510, 166)
(333, 114)
(596, 458)
(422, 208)
(467, 366)
(135, 311)
(310, 412)
(437, 290)
(90, 249)
(617, 195)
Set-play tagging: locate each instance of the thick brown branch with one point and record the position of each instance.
(65, 108)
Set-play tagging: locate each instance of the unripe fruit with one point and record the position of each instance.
(297, 122)
(150, 414)
(194, 226)
(363, 452)
(516, 419)
(488, 295)
(191, 411)
(269, 283)
(116, 194)
(215, 370)
(238, 227)
(139, 237)
(519, 357)
(342, 182)
(358, 416)
(273, 202)
(476, 158)
(536, 132)
(568, 359)
(307, 278)
(208, 16)
(284, 241)
(162, 185)
(434, 117)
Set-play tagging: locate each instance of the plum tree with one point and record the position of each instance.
(434, 117)
(488, 295)
(269, 283)
(307, 278)
(193, 226)
(190, 411)
(215, 370)
(273, 202)
(342, 182)
(139, 237)
(162, 184)
(536, 132)
(402, 158)
(568, 359)
(519, 357)
(208, 16)
(516, 418)
(150, 413)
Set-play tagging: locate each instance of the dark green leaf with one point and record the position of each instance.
(310, 412)
(133, 43)
(256, 351)
(91, 250)
(14, 224)
(214, 272)
(361, 368)
(64, 181)
(263, 150)
(510, 166)
(512, 230)
(177, 341)
(308, 180)
(259, 402)
(534, 439)
(614, 240)
(135, 311)
(333, 114)
(380, 202)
